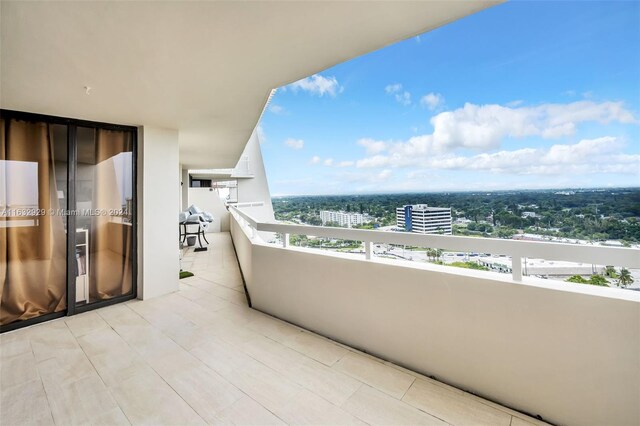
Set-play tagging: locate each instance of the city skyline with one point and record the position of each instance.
(495, 101)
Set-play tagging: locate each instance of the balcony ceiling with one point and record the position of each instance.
(203, 68)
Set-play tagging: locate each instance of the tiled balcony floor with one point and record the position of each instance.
(202, 356)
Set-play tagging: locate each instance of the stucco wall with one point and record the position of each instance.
(159, 205)
(257, 188)
(209, 201)
(542, 348)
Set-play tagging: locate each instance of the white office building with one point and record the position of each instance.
(343, 218)
(422, 219)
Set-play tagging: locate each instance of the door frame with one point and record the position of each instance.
(72, 125)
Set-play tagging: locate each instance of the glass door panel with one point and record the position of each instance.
(104, 202)
(33, 195)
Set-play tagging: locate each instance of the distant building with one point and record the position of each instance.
(529, 214)
(343, 218)
(422, 219)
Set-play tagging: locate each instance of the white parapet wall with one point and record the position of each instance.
(567, 352)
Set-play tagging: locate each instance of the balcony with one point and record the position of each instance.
(200, 355)
(565, 352)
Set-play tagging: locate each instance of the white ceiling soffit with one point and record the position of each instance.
(204, 68)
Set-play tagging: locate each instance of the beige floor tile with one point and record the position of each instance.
(85, 323)
(306, 372)
(14, 346)
(120, 315)
(266, 386)
(79, 401)
(382, 377)
(64, 370)
(149, 342)
(307, 408)
(271, 353)
(316, 347)
(116, 367)
(220, 356)
(246, 411)
(203, 389)
(273, 328)
(453, 407)
(52, 340)
(210, 302)
(113, 417)
(221, 291)
(377, 408)
(238, 315)
(112, 357)
(25, 404)
(332, 385)
(190, 338)
(102, 342)
(146, 399)
(18, 370)
(231, 332)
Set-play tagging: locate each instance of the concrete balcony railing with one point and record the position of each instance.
(569, 353)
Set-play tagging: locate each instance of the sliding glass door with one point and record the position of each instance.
(67, 217)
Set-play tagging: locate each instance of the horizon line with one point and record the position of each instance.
(593, 188)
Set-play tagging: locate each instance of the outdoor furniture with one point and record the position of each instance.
(194, 217)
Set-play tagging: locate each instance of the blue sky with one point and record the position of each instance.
(522, 95)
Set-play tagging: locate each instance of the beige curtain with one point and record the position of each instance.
(32, 256)
(111, 240)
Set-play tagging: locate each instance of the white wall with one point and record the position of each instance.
(538, 347)
(257, 188)
(158, 204)
(209, 201)
(184, 189)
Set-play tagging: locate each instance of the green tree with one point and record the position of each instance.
(577, 279)
(431, 254)
(438, 253)
(598, 280)
(625, 278)
(610, 271)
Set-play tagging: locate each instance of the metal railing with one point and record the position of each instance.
(518, 250)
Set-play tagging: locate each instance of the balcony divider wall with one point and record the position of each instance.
(68, 221)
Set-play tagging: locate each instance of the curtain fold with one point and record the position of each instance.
(32, 250)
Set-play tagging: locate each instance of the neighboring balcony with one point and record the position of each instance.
(567, 352)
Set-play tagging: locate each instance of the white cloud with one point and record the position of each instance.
(277, 109)
(403, 97)
(432, 100)
(345, 164)
(484, 127)
(372, 146)
(393, 88)
(294, 143)
(318, 85)
(315, 159)
(328, 162)
(385, 174)
(600, 155)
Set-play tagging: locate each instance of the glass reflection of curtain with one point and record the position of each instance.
(111, 240)
(32, 258)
